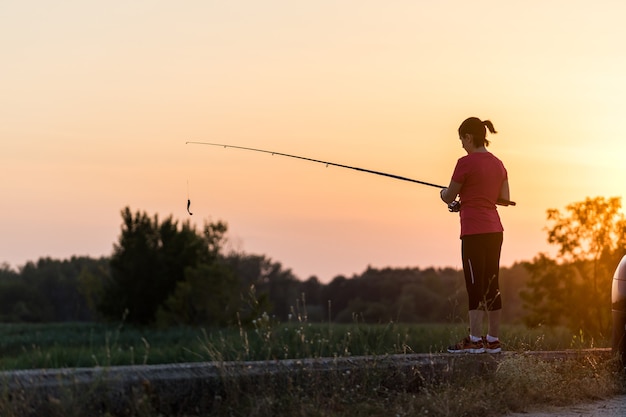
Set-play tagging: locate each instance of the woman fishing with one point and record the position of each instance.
(480, 180)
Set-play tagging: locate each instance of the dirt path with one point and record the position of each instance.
(614, 407)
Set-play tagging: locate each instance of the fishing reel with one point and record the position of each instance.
(455, 206)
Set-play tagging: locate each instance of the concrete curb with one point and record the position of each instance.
(200, 384)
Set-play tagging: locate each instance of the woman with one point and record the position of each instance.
(480, 180)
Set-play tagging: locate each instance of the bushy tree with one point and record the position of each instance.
(150, 260)
(575, 289)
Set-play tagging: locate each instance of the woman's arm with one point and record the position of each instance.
(448, 195)
(504, 191)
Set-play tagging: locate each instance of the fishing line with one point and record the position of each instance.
(369, 171)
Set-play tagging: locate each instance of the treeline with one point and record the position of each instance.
(51, 290)
(163, 272)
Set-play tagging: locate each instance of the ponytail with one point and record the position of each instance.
(489, 126)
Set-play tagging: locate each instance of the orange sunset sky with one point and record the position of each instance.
(97, 100)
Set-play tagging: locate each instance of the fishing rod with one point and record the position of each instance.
(452, 206)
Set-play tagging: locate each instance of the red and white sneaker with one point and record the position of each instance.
(467, 346)
(492, 347)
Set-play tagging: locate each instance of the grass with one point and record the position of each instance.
(533, 385)
(71, 345)
(519, 383)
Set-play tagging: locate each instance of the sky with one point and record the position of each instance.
(98, 100)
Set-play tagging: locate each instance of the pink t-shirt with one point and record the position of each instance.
(481, 175)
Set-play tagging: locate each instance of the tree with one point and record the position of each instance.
(207, 295)
(150, 260)
(591, 237)
(90, 282)
(265, 286)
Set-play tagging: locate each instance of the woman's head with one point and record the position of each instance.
(478, 129)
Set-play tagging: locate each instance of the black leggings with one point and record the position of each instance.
(481, 265)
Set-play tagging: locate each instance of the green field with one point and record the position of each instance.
(70, 345)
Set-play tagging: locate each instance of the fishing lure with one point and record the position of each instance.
(188, 200)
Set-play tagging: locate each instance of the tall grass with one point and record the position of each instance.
(71, 345)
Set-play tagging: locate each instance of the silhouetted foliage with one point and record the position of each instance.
(401, 295)
(575, 288)
(207, 295)
(239, 288)
(150, 260)
(47, 291)
(513, 280)
(169, 273)
(264, 286)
